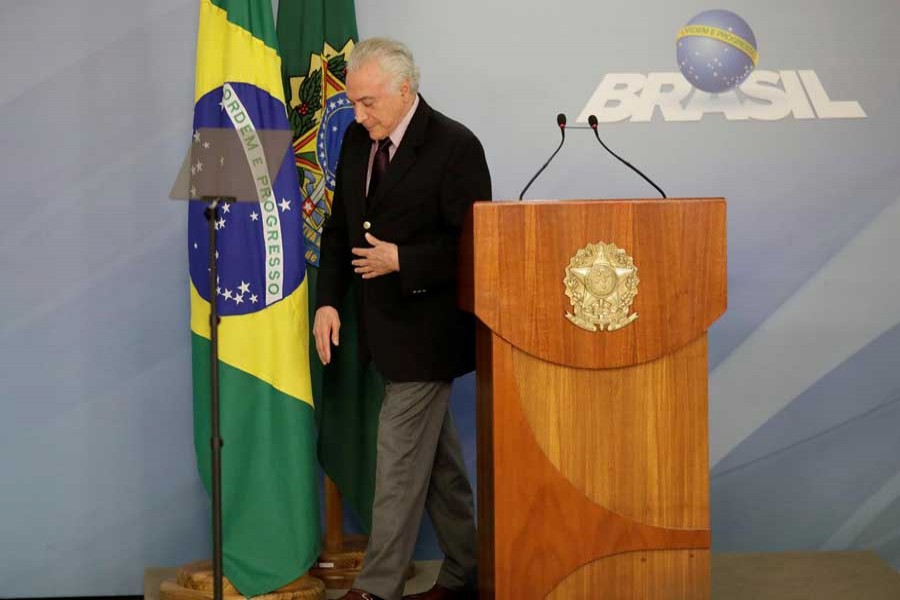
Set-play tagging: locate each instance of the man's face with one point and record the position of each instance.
(378, 107)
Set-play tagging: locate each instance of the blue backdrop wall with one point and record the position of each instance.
(97, 473)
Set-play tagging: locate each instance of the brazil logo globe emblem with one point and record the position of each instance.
(716, 51)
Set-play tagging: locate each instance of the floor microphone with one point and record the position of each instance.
(592, 121)
(561, 121)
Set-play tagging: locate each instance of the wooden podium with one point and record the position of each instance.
(593, 469)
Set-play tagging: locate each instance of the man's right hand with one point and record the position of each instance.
(326, 330)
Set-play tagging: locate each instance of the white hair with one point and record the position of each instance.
(393, 57)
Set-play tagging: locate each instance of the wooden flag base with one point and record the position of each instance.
(338, 568)
(342, 555)
(195, 582)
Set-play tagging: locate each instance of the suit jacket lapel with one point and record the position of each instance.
(355, 164)
(406, 154)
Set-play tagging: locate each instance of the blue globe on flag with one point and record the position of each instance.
(716, 51)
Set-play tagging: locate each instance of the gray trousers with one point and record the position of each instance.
(419, 465)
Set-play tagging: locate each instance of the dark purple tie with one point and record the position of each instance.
(379, 166)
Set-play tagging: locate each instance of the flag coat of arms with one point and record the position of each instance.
(316, 37)
(270, 507)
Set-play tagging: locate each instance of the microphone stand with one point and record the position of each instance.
(561, 121)
(592, 124)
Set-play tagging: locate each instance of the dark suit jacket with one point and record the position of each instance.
(409, 322)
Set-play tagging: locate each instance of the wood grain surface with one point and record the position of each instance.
(541, 526)
(513, 258)
(633, 439)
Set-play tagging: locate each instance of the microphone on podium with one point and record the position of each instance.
(561, 121)
(592, 121)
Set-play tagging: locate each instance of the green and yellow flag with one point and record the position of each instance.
(316, 37)
(270, 507)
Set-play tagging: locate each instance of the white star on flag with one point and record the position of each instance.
(254, 216)
(238, 299)
(244, 287)
(220, 224)
(285, 205)
(253, 298)
(197, 136)
(226, 207)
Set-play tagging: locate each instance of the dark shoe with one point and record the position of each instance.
(359, 595)
(439, 592)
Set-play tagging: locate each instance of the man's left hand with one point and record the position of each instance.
(382, 258)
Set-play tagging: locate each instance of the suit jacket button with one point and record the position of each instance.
(366, 225)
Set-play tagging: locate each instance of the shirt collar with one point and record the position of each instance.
(400, 130)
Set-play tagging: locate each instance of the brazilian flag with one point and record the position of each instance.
(316, 37)
(270, 507)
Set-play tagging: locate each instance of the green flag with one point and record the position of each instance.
(270, 508)
(316, 37)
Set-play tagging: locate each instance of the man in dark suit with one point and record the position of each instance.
(406, 178)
